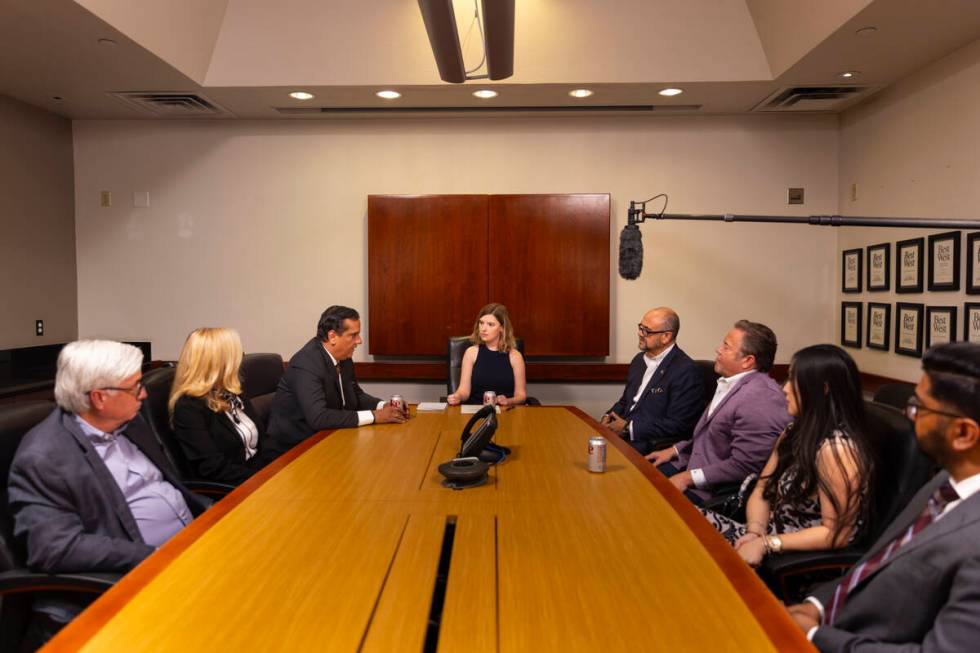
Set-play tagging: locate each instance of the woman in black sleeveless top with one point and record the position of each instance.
(492, 362)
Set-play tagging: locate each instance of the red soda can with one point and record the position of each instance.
(397, 401)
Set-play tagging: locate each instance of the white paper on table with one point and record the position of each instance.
(432, 405)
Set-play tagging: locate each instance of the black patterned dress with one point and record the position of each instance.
(784, 517)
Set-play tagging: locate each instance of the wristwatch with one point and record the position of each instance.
(774, 544)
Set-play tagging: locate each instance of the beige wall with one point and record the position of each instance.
(260, 225)
(37, 250)
(913, 151)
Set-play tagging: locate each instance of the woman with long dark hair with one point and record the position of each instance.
(814, 492)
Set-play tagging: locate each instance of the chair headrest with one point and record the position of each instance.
(260, 374)
(15, 421)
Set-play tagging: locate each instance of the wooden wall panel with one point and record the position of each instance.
(427, 271)
(549, 262)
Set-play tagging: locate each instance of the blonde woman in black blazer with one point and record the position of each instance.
(214, 423)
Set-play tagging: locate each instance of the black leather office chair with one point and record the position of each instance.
(260, 377)
(17, 582)
(902, 469)
(454, 360)
(158, 383)
(895, 395)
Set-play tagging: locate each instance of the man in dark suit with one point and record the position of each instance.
(738, 429)
(663, 395)
(918, 588)
(90, 489)
(319, 390)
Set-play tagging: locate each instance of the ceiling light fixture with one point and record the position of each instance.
(497, 30)
(849, 74)
(301, 95)
(671, 92)
(107, 42)
(867, 31)
(485, 94)
(389, 95)
(580, 92)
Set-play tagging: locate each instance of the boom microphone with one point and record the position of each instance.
(630, 252)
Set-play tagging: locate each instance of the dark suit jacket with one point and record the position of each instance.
(211, 444)
(738, 437)
(925, 598)
(68, 512)
(670, 405)
(308, 398)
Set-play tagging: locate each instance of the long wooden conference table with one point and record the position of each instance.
(337, 546)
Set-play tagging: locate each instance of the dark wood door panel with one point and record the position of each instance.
(427, 270)
(549, 263)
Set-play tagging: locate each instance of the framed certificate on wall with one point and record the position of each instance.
(908, 329)
(851, 270)
(908, 265)
(973, 263)
(879, 326)
(971, 322)
(850, 324)
(940, 325)
(879, 266)
(944, 261)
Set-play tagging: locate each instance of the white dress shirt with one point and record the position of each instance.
(653, 362)
(363, 416)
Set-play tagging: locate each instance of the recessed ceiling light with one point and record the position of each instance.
(849, 74)
(867, 31)
(301, 95)
(670, 92)
(389, 95)
(485, 94)
(57, 98)
(107, 42)
(580, 92)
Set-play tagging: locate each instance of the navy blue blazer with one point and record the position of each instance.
(669, 407)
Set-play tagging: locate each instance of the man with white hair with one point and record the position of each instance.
(90, 489)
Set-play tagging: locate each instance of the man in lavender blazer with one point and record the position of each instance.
(738, 430)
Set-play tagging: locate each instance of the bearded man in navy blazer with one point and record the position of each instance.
(918, 587)
(738, 430)
(664, 392)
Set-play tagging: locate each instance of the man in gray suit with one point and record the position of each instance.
(90, 489)
(738, 430)
(918, 588)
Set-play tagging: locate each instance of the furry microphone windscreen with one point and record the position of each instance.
(630, 252)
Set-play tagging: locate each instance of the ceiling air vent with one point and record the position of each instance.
(813, 98)
(171, 104)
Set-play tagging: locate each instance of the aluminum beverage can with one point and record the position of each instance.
(397, 401)
(489, 398)
(597, 454)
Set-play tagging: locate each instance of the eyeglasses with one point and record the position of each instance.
(650, 332)
(914, 406)
(135, 390)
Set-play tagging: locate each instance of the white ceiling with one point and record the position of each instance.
(247, 55)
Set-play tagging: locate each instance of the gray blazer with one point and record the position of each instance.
(738, 437)
(925, 598)
(68, 512)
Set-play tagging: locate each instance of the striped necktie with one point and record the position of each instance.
(943, 495)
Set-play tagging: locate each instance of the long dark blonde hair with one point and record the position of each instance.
(208, 367)
(498, 311)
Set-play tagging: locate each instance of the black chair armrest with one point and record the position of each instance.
(210, 489)
(22, 580)
(793, 562)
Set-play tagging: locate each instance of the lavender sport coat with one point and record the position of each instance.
(738, 437)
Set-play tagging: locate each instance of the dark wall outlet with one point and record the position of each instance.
(39, 327)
